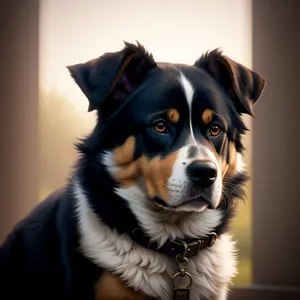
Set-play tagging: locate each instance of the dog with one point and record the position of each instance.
(147, 208)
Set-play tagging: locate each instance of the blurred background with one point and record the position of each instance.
(45, 111)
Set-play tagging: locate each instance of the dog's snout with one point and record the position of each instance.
(203, 173)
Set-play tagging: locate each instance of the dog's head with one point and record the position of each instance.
(169, 132)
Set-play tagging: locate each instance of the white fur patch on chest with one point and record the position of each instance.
(146, 270)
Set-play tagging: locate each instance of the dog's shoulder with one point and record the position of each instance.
(41, 258)
(38, 223)
(31, 251)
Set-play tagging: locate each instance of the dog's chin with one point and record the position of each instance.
(193, 205)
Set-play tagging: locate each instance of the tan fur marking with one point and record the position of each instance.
(128, 175)
(146, 166)
(150, 188)
(231, 167)
(173, 115)
(207, 116)
(110, 287)
(166, 167)
(156, 173)
(224, 169)
(123, 155)
(232, 155)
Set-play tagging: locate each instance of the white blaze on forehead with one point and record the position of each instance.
(188, 89)
(189, 96)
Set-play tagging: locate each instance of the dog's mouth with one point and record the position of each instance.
(197, 204)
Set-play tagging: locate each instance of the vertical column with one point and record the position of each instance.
(19, 22)
(276, 144)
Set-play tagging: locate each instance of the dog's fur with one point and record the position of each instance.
(154, 121)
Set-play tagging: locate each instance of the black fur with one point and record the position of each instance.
(41, 257)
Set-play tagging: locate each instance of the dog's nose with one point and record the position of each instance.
(203, 173)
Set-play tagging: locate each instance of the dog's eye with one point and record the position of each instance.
(161, 127)
(215, 130)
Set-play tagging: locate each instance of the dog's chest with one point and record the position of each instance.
(135, 273)
(149, 272)
(110, 287)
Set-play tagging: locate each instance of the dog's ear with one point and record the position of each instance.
(112, 75)
(241, 84)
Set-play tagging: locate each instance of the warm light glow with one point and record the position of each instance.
(75, 31)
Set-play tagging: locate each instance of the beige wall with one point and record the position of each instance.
(19, 110)
(174, 30)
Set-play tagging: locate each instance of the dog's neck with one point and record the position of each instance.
(157, 223)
